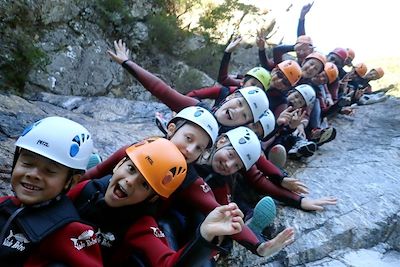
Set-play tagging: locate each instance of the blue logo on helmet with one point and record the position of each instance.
(77, 141)
(198, 112)
(30, 127)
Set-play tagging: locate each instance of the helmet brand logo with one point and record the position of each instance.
(198, 113)
(43, 143)
(149, 160)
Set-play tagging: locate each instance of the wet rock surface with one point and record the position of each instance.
(360, 167)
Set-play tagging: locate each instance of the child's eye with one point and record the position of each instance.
(188, 138)
(26, 163)
(240, 103)
(131, 168)
(51, 171)
(145, 185)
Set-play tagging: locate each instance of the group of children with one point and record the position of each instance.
(180, 199)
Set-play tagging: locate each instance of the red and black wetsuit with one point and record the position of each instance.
(132, 230)
(194, 193)
(44, 234)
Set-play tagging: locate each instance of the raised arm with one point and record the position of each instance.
(170, 97)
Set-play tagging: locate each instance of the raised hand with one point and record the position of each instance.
(233, 45)
(223, 220)
(306, 8)
(272, 247)
(260, 39)
(121, 52)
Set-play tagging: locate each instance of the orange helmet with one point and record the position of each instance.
(361, 69)
(304, 39)
(331, 71)
(380, 72)
(342, 53)
(291, 69)
(317, 55)
(161, 164)
(350, 53)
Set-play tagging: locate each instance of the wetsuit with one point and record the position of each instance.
(132, 230)
(44, 234)
(194, 194)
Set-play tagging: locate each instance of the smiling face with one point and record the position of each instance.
(320, 78)
(36, 179)
(226, 160)
(311, 67)
(190, 139)
(296, 100)
(234, 112)
(303, 50)
(335, 59)
(127, 186)
(279, 80)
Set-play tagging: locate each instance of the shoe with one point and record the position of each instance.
(277, 155)
(161, 122)
(93, 160)
(322, 136)
(263, 215)
(302, 148)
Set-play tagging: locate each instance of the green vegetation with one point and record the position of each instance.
(167, 29)
(19, 53)
(112, 13)
(165, 33)
(188, 81)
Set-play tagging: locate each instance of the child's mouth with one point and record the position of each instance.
(30, 187)
(228, 114)
(120, 192)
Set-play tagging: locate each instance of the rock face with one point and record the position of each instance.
(360, 167)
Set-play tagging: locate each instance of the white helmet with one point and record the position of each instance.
(268, 122)
(256, 99)
(246, 144)
(59, 139)
(203, 118)
(307, 92)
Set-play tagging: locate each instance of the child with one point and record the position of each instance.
(123, 207)
(39, 225)
(244, 106)
(194, 191)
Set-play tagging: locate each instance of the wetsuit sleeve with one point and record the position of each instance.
(223, 77)
(75, 191)
(200, 197)
(301, 30)
(73, 245)
(106, 167)
(170, 97)
(268, 169)
(145, 238)
(265, 62)
(264, 186)
(279, 51)
(206, 92)
(334, 89)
